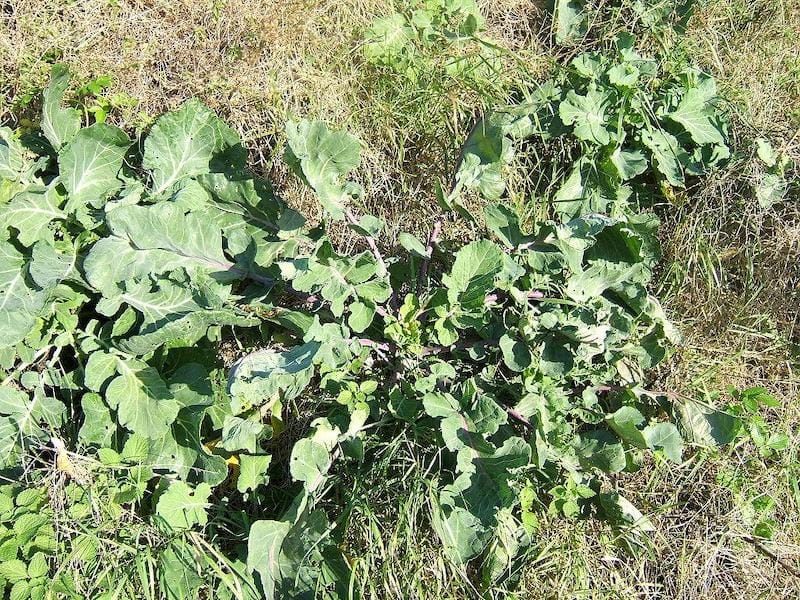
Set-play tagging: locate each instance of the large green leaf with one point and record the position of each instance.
(670, 157)
(59, 124)
(98, 425)
(149, 240)
(324, 158)
(183, 143)
(252, 471)
(186, 328)
(90, 163)
(183, 507)
(30, 214)
(570, 20)
(264, 545)
(13, 163)
(20, 304)
(29, 411)
(706, 426)
(665, 437)
(258, 377)
(240, 434)
(588, 115)
(309, 463)
(142, 399)
(696, 114)
(461, 532)
(53, 263)
(473, 273)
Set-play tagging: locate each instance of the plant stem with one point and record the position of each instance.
(432, 239)
(351, 218)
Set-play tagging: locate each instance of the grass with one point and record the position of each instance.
(731, 270)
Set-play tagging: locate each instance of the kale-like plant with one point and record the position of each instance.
(520, 354)
(639, 133)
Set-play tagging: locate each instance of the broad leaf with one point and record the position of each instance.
(264, 544)
(588, 115)
(30, 214)
(696, 114)
(252, 471)
(143, 402)
(59, 124)
(324, 158)
(90, 163)
(183, 507)
(473, 273)
(183, 143)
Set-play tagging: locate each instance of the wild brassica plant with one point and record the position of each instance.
(638, 132)
(520, 354)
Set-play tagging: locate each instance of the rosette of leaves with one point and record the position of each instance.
(632, 127)
(520, 354)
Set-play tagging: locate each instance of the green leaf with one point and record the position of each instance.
(487, 150)
(90, 163)
(20, 304)
(183, 143)
(38, 566)
(601, 450)
(601, 276)
(570, 20)
(12, 156)
(626, 423)
(178, 572)
(149, 240)
(766, 152)
(143, 402)
(705, 426)
(240, 434)
(264, 544)
(100, 367)
(323, 159)
(59, 124)
(30, 213)
(413, 245)
(461, 532)
(13, 570)
(669, 156)
(258, 377)
(628, 163)
(473, 273)
(516, 353)
(252, 471)
(361, 315)
(21, 590)
(696, 114)
(28, 411)
(665, 437)
(98, 426)
(770, 190)
(186, 328)
(183, 507)
(53, 263)
(309, 463)
(387, 39)
(587, 114)
(504, 223)
(9, 442)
